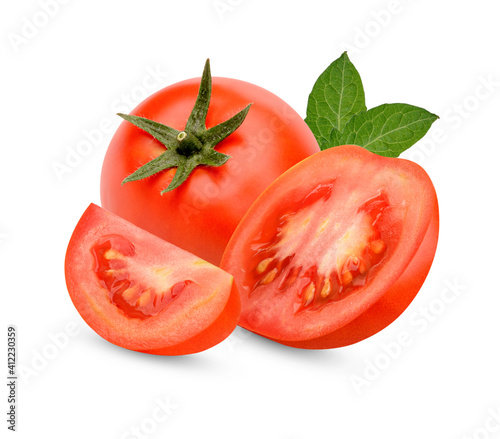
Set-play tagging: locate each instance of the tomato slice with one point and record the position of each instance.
(145, 294)
(335, 249)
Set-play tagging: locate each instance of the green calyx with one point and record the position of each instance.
(190, 147)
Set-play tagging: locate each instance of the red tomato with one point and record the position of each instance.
(201, 215)
(144, 294)
(335, 249)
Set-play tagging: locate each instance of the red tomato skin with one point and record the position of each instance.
(201, 215)
(219, 330)
(400, 288)
(111, 324)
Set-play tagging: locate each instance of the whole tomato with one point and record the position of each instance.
(221, 162)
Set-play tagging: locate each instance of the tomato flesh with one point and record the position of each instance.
(325, 243)
(320, 274)
(114, 256)
(144, 294)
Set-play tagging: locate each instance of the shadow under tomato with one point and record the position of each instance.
(328, 356)
(194, 361)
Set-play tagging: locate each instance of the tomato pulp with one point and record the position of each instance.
(203, 212)
(144, 294)
(335, 249)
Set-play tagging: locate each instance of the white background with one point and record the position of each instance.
(64, 76)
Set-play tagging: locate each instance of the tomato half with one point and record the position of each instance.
(335, 249)
(201, 215)
(144, 294)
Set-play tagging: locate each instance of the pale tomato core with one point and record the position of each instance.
(323, 255)
(117, 273)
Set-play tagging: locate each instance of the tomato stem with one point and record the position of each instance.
(188, 144)
(190, 147)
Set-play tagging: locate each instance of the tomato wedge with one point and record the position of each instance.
(335, 249)
(145, 294)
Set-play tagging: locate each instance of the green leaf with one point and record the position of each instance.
(219, 132)
(336, 97)
(198, 116)
(160, 132)
(335, 140)
(215, 158)
(386, 130)
(168, 159)
(184, 169)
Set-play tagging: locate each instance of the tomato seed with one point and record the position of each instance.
(144, 299)
(113, 254)
(325, 291)
(309, 293)
(378, 246)
(131, 294)
(269, 277)
(263, 265)
(346, 278)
